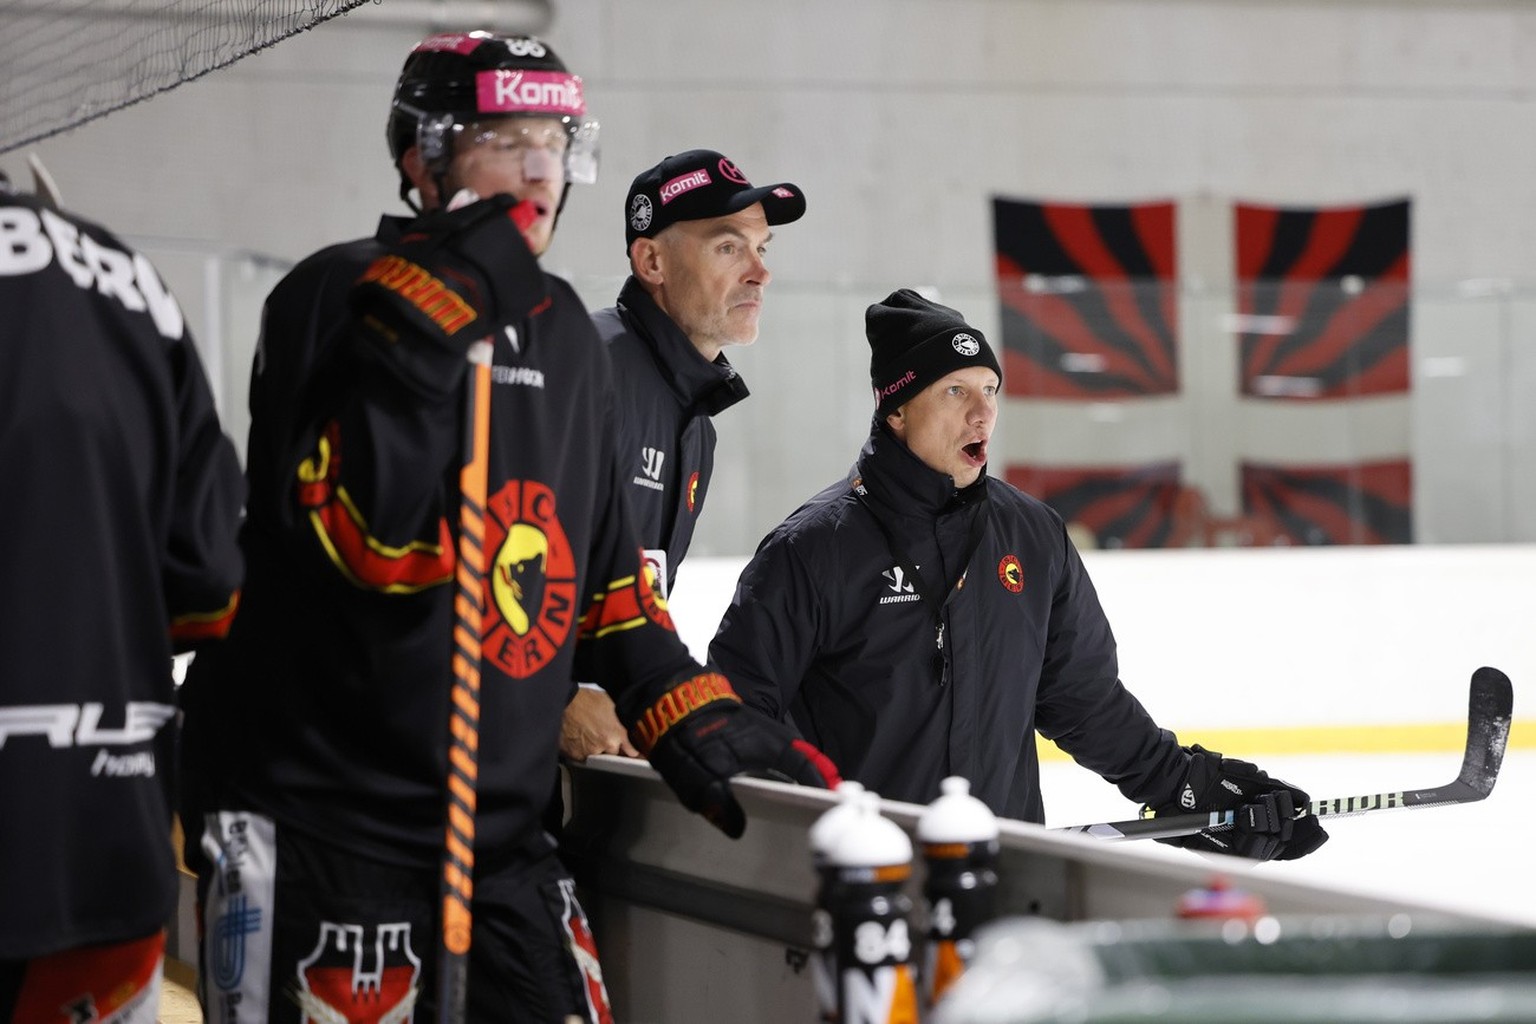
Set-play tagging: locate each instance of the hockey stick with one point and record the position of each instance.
(43, 185)
(1490, 709)
(464, 704)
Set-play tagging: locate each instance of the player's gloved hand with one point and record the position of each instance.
(699, 734)
(454, 277)
(1267, 827)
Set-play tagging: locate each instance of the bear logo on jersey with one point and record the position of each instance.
(532, 587)
(1011, 574)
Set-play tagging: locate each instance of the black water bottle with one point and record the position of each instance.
(861, 917)
(958, 835)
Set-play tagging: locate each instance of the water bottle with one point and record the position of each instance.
(861, 916)
(822, 831)
(958, 834)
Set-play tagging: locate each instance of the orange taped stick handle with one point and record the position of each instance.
(464, 704)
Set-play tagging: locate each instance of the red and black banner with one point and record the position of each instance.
(1322, 300)
(1364, 503)
(1089, 301)
(1124, 507)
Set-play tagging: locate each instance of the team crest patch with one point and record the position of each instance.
(640, 212)
(1011, 574)
(531, 604)
(693, 492)
(367, 974)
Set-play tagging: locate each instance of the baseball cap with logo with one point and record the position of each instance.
(697, 185)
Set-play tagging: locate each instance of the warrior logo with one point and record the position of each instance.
(693, 492)
(640, 212)
(1011, 574)
(348, 978)
(900, 586)
(533, 580)
(651, 460)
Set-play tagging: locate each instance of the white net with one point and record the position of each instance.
(64, 62)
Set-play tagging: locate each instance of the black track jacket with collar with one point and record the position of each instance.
(667, 393)
(328, 708)
(825, 628)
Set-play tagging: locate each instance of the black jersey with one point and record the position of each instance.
(828, 628)
(122, 498)
(667, 394)
(328, 707)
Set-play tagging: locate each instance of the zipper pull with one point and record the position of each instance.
(939, 637)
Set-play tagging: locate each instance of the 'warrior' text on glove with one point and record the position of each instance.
(453, 278)
(698, 735)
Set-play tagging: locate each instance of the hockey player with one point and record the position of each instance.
(122, 500)
(318, 738)
(920, 619)
(697, 234)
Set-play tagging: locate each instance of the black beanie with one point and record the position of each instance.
(914, 342)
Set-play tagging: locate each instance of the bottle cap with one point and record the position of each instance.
(826, 827)
(868, 840)
(956, 816)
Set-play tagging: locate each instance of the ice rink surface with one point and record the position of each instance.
(1469, 857)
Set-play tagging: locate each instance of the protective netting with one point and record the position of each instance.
(64, 62)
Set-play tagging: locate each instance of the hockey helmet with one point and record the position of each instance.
(451, 81)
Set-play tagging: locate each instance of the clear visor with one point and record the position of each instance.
(545, 147)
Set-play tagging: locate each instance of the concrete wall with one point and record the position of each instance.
(901, 119)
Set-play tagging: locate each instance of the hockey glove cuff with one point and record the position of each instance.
(1267, 824)
(699, 735)
(451, 279)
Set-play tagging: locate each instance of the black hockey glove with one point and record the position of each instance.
(1267, 827)
(699, 734)
(453, 278)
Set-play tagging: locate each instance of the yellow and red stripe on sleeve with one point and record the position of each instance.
(195, 626)
(627, 603)
(343, 531)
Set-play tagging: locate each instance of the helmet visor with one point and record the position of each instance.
(543, 147)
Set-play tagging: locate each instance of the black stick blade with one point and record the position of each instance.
(1489, 713)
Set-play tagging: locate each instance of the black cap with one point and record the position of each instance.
(914, 342)
(697, 185)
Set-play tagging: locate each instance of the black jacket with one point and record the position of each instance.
(122, 499)
(667, 393)
(826, 627)
(328, 707)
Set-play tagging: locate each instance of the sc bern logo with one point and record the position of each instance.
(693, 492)
(965, 344)
(1011, 574)
(640, 212)
(532, 595)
